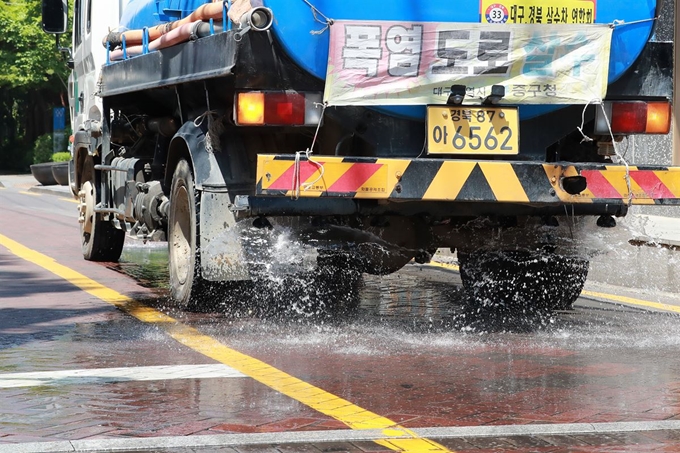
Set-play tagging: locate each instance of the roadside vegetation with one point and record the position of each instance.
(42, 151)
(33, 78)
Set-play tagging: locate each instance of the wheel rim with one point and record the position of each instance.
(181, 235)
(86, 210)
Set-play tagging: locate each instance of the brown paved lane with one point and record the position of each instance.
(586, 367)
(47, 324)
(411, 351)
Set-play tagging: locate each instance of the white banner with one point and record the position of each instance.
(415, 63)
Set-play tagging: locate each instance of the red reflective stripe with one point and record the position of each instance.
(599, 185)
(285, 181)
(651, 184)
(354, 178)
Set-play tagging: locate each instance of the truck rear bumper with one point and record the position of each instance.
(464, 181)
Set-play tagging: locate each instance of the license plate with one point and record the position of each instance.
(472, 130)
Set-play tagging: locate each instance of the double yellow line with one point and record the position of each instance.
(625, 300)
(400, 438)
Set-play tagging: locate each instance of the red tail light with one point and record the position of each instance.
(634, 117)
(284, 108)
(277, 108)
(629, 117)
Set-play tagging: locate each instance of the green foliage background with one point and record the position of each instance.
(42, 149)
(32, 81)
(61, 157)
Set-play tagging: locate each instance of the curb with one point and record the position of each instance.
(51, 190)
(326, 438)
(656, 230)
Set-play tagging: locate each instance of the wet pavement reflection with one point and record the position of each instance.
(419, 299)
(410, 347)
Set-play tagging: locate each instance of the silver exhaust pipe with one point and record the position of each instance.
(258, 19)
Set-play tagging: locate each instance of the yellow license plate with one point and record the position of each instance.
(538, 11)
(472, 130)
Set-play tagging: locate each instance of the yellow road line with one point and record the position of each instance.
(72, 200)
(606, 296)
(353, 416)
(632, 301)
(29, 193)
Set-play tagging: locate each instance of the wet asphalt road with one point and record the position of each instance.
(407, 349)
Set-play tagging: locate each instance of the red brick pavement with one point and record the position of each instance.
(503, 379)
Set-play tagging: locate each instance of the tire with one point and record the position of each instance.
(187, 286)
(328, 292)
(369, 258)
(100, 239)
(338, 288)
(523, 280)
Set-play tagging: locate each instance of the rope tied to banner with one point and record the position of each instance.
(215, 129)
(297, 185)
(327, 22)
(618, 23)
(618, 155)
(583, 121)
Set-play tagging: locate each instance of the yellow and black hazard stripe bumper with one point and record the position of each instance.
(533, 183)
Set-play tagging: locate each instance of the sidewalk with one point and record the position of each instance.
(27, 183)
(655, 229)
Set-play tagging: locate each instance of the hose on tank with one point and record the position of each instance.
(186, 32)
(136, 37)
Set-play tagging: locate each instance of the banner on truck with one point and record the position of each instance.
(415, 63)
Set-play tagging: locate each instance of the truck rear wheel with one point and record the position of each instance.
(523, 280)
(100, 239)
(186, 283)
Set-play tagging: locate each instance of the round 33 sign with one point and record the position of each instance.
(496, 14)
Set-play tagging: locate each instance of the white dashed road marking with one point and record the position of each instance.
(108, 375)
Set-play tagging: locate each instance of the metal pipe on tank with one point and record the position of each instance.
(173, 37)
(135, 37)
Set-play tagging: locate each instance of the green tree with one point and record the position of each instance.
(32, 76)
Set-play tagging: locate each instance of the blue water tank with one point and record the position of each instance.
(304, 36)
(169, 10)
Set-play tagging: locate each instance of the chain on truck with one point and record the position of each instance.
(369, 135)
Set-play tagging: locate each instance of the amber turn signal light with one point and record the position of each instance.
(658, 117)
(250, 108)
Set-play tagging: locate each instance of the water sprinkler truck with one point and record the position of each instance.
(369, 134)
